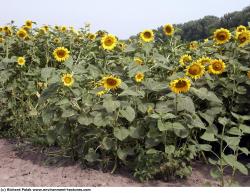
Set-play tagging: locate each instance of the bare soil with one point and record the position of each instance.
(30, 169)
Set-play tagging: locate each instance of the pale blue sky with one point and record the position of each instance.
(122, 18)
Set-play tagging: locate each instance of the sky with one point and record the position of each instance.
(121, 18)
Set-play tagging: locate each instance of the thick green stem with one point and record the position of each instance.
(221, 152)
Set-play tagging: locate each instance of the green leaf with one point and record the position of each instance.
(203, 93)
(98, 120)
(232, 142)
(110, 105)
(164, 126)
(244, 128)
(169, 149)
(215, 173)
(69, 62)
(185, 103)
(51, 137)
(128, 113)
(50, 91)
(47, 73)
(121, 133)
(232, 161)
(132, 93)
(180, 130)
(92, 156)
(209, 135)
(136, 132)
(85, 120)
(234, 131)
(205, 147)
(223, 120)
(68, 113)
(107, 143)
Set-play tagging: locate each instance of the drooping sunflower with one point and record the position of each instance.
(185, 59)
(28, 24)
(193, 45)
(109, 42)
(138, 61)
(168, 29)
(147, 35)
(67, 79)
(195, 70)
(21, 61)
(241, 28)
(91, 36)
(204, 60)
(216, 66)
(111, 82)
(181, 85)
(61, 54)
(121, 45)
(22, 33)
(221, 36)
(139, 77)
(243, 38)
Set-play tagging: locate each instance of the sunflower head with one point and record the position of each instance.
(216, 66)
(185, 59)
(195, 70)
(243, 38)
(21, 61)
(67, 79)
(139, 77)
(109, 42)
(63, 29)
(138, 61)
(42, 31)
(61, 54)
(147, 35)
(111, 82)
(7, 30)
(22, 33)
(1, 40)
(28, 24)
(193, 45)
(204, 60)
(1, 29)
(57, 40)
(181, 85)
(168, 29)
(241, 28)
(91, 36)
(221, 36)
(121, 45)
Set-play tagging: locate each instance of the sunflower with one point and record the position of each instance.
(28, 24)
(63, 29)
(61, 54)
(147, 35)
(181, 85)
(109, 42)
(121, 45)
(222, 36)
(138, 61)
(185, 59)
(168, 29)
(91, 36)
(57, 40)
(21, 61)
(46, 28)
(1, 40)
(139, 77)
(193, 45)
(204, 60)
(7, 30)
(216, 66)
(241, 28)
(111, 82)
(22, 33)
(67, 79)
(1, 29)
(243, 38)
(195, 70)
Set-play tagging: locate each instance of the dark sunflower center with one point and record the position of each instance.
(221, 36)
(194, 70)
(186, 60)
(108, 42)
(147, 35)
(67, 80)
(217, 66)
(168, 29)
(181, 84)
(139, 76)
(242, 39)
(111, 82)
(61, 53)
(21, 34)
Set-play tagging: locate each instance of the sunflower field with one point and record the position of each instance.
(152, 104)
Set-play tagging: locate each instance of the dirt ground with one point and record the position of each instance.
(29, 169)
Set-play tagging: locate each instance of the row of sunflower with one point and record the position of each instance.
(150, 104)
